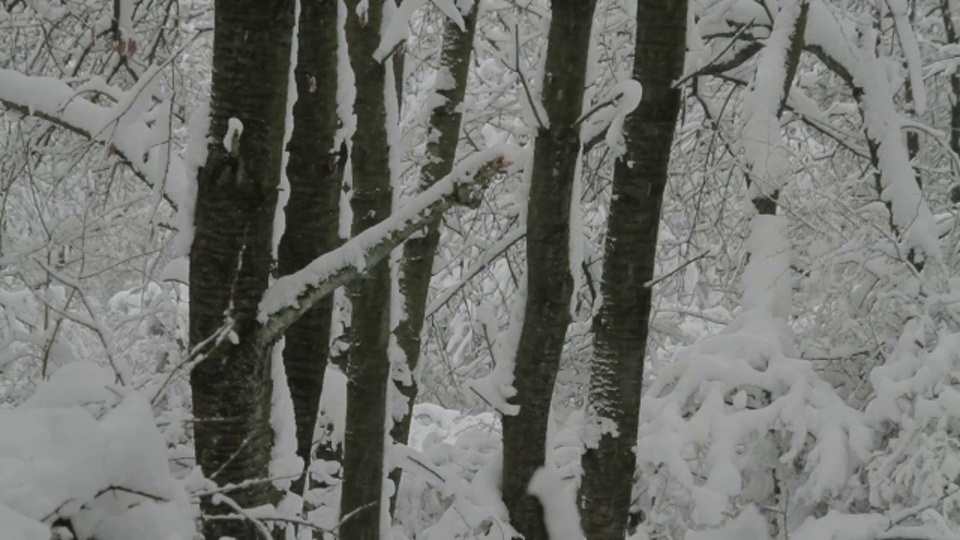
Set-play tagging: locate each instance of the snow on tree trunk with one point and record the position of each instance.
(622, 323)
(765, 152)
(416, 266)
(367, 362)
(232, 253)
(550, 283)
(766, 279)
(315, 171)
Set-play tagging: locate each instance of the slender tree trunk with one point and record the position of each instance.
(315, 171)
(622, 324)
(232, 252)
(367, 362)
(549, 281)
(416, 265)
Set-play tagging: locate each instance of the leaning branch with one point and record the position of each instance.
(293, 295)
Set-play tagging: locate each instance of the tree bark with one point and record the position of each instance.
(232, 252)
(367, 362)
(416, 265)
(549, 281)
(315, 172)
(622, 324)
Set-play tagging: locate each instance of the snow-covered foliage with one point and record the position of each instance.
(86, 455)
(803, 378)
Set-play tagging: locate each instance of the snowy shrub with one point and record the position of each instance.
(86, 455)
(738, 418)
(916, 478)
(451, 474)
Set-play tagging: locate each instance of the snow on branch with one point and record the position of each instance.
(707, 419)
(394, 32)
(605, 120)
(765, 151)
(292, 295)
(827, 35)
(121, 127)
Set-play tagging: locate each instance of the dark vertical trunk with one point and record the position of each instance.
(416, 265)
(232, 251)
(314, 170)
(622, 324)
(913, 138)
(367, 362)
(549, 282)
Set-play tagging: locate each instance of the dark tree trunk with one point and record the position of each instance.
(367, 363)
(416, 266)
(549, 282)
(315, 171)
(232, 252)
(622, 324)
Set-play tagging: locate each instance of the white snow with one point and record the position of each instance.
(747, 525)
(234, 131)
(559, 504)
(767, 278)
(911, 52)
(285, 464)
(119, 127)
(764, 149)
(81, 452)
(287, 289)
(333, 403)
(629, 93)
(684, 414)
(496, 388)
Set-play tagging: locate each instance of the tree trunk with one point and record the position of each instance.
(315, 171)
(367, 362)
(232, 252)
(549, 281)
(416, 265)
(622, 324)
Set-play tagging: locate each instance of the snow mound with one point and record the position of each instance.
(82, 453)
(738, 408)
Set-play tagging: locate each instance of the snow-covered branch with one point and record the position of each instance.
(121, 127)
(291, 296)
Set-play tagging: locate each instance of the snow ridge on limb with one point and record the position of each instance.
(291, 295)
(764, 149)
(120, 127)
(828, 36)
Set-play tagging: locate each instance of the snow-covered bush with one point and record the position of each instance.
(737, 419)
(86, 455)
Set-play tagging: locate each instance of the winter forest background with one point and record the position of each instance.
(492, 269)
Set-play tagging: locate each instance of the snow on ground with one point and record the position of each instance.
(80, 450)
